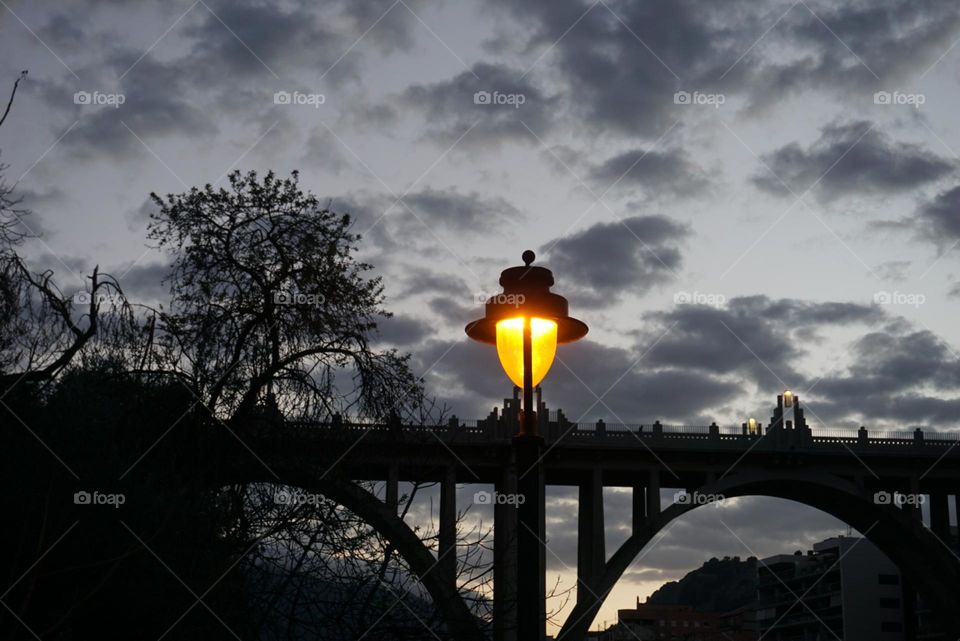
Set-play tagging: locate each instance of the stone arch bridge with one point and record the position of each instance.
(838, 474)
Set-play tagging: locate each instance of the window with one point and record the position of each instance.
(888, 579)
(891, 626)
(890, 602)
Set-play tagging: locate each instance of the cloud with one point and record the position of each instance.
(470, 99)
(759, 338)
(851, 159)
(670, 172)
(452, 210)
(144, 282)
(939, 219)
(158, 102)
(622, 62)
(892, 376)
(324, 152)
(609, 260)
(403, 331)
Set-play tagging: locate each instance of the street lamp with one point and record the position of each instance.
(526, 322)
(752, 426)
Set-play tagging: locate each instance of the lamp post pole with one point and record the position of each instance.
(528, 426)
(527, 296)
(531, 516)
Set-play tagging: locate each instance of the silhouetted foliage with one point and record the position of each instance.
(270, 318)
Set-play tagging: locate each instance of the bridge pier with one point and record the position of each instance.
(653, 494)
(639, 509)
(591, 550)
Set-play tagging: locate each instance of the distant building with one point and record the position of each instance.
(844, 588)
(652, 622)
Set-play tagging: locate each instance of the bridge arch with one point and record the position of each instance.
(460, 622)
(922, 558)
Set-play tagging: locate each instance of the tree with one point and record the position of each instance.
(268, 304)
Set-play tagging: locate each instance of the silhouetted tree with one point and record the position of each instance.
(267, 298)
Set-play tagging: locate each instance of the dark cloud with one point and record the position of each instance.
(402, 331)
(669, 172)
(158, 102)
(609, 260)
(324, 152)
(623, 61)
(760, 339)
(143, 282)
(454, 313)
(851, 159)
(452, 210)
(422, 281)
(452, 107)
(252, 39)
(939, 219)
(892, 376)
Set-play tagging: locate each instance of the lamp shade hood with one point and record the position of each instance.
(526, 294)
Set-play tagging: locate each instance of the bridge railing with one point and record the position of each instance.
(498, 429)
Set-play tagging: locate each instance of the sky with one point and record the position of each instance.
(738, 197)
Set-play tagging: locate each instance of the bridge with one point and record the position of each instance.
(850, 476)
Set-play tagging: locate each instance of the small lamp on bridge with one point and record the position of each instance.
(526, 322)
(752, 426)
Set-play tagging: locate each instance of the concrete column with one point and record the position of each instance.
(591, 550)
(448, 526)
(940, 516)
(653, 494)
(393, 485)
(639, 506)
(505, 557)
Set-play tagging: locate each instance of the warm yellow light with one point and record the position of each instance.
(788, 399)
(543, 335)
(752, 426)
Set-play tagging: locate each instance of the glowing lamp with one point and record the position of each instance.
(543, 334)
(788, 398)
(526, 322)
(752, 426)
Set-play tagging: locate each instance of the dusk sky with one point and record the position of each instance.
(737, 197)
